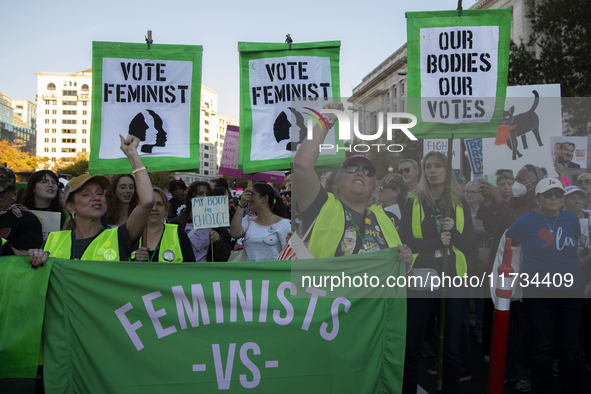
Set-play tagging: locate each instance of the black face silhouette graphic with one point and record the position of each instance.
(281, 129)
(138, 128)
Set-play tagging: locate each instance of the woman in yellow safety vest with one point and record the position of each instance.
(84, 237)
(165, 243)
(347, 222)
(428, 233)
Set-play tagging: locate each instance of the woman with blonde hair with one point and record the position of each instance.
(428, 233)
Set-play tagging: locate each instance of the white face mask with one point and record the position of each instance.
(519, 189)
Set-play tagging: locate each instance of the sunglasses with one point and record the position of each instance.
(501, 172)
(353, 168)
(584, 182)
(404, 170)
(557, 194)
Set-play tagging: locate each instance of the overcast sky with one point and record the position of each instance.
(56, 36)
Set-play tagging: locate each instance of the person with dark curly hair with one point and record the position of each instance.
(42, 194)
(177, 188)
(121, 199)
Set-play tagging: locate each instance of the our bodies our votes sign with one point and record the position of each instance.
(272, 78)
(148, 94)
(458, 67)
(210, 212)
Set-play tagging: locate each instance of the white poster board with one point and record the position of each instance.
(50, 221)
(526, 118)
(440, 145)
(210, 212)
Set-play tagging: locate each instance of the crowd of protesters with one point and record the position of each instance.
(348, 212)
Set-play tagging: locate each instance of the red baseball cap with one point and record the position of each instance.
(360, 157)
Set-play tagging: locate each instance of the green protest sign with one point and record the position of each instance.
(22, 304)
(457, 71)
(154, 94)
(152, 328)
(273, 77)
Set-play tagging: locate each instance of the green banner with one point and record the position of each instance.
(457, 71)
(154, 94)
(273, 77)
(153, 328)
(22, 304)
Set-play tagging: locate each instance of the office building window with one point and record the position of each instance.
(84, 112)
(84, 103)
(46, 150)
(69, 112)
(46, 131)
(83, 121)
(69, 102)
(68, 131)
(53, 131)
(47, 140)
(68, 150)
(83, 149)
(46, 112)
(46, 121)
(53, 150)
(68, 121)
(53, 121)
(84, 140)
(206, 139)
(69, 93)
(83, 131)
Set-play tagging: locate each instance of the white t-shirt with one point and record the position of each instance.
(264, 243)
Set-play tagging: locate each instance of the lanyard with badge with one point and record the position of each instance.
(361, 233)
(439, 223)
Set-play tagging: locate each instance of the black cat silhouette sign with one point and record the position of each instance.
(519, 125)
(532, 116)
(150, 98)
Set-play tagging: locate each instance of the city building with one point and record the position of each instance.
(18, 123)
(212, 132)
(63, 115)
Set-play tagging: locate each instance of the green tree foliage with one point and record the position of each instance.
(78, 166)
(558, 51)
(15, 159)
(161, 179)
(562, 35)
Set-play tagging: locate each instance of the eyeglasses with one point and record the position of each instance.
(404, 170)
(557, 194)
(46, 182)
(353, 168)
(584, 182)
